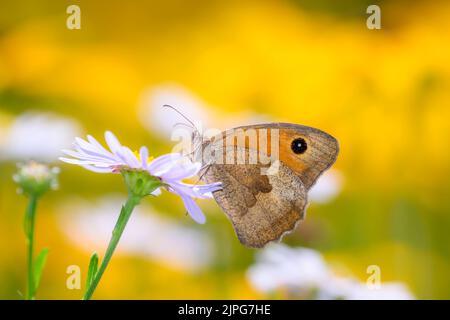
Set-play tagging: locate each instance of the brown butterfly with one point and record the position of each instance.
(264, 204)
(266, 171)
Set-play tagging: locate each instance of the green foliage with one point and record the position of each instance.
(39, 265)
(92, 270)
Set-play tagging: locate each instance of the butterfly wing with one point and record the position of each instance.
(264, 207)
(321, 153)
(261, 207)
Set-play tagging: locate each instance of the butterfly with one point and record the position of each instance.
(266, 171)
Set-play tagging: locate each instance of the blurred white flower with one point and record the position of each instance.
(303, 273)
(162, 120)
(327, 187)
(37, 136)
(352, 289)
(148, 234)
(279, 266)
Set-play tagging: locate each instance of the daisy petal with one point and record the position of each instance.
(112, 142)
(143, 154)
(97, 144)
(86, 145)
(182, 171)
(157, 192)
(97, 169)
(193, 209)
(207, 190)
(83, 156)
(163, 163)
(98, 153)
(130, 158)
(86, 162)
(72, 161)
(195, 191)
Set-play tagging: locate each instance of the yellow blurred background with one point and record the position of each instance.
(385, 95)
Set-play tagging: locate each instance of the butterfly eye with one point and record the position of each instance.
(299, 146)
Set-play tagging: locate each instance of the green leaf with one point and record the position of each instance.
(92, 270)
(39, 265)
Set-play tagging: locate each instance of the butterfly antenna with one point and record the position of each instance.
(183, 124)
(181, 114)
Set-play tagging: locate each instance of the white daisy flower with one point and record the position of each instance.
(170, 169)
(304, 273)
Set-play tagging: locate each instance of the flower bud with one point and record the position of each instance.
(35, 178)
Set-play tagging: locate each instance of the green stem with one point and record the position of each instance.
(124, 216)
(30, 215)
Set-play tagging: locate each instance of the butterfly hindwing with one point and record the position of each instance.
(260, 207)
